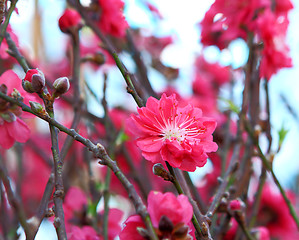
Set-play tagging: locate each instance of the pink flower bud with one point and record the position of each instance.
(61, 86)
(235, 205)
(69, 19)
(34, 81)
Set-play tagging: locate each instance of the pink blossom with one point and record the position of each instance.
(114, 218)
(75, 199)
(130, 230)
(112, 20)
(275, 216)
(12, 128)
(69, 19)
(170, 133)
(235, 205)
(261, 233)
(84, 233)
(275, 51)
(227, 20)
(16, 130)
(73, 205)
(177, 211)
(4, 46)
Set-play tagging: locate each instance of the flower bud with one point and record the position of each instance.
(181, 232)
(160, 171)
(165, 225)
(235, 205)
(36, 107)
(61, 86)
(34, 81)
(69, 20)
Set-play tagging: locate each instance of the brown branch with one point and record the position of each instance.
(111, 49)
(14, 200)
(100, 153)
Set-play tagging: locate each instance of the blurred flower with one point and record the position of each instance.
(170, 217)
(112, 21)
(12, 128)
(69, 20)
(84, 233)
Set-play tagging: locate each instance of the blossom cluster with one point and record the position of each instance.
(264, 21)
(181, 166)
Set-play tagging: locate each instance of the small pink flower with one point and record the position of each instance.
(235, 205)
(12, 128)
(168, 214)
(177, 209)
(84, 233)
(261, 233)
(114, 219)
(166, 132)
(69, 19)
(34, 81)
(112, 20)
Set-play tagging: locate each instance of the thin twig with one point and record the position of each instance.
(268, 166)
(100, 153)
(14, 52)
(14, 200)
(42, 209)
(7, 19)
(179, 189)
(58, 196)
(111, 49)
(77, 103)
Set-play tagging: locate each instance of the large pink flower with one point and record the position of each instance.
(166, 132)
(168, 214)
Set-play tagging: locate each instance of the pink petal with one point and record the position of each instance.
(153, 157)
(150, 144)
(209, 146)
(18, 130)
(6, 141)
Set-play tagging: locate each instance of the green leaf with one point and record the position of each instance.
(282, 134)
(121, 138)
(231, 106)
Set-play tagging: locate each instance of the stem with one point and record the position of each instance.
(257, 197)
(59, 222)
(194, 191)
(59, 190)
(106, 203)
(219, 194)
(179, 189)
(268, 166)
(100, 153)
(14, 52)
(43, 205)
(7, 18)
(76, 94)
(141, 68)
(14, 200)
(111, 49)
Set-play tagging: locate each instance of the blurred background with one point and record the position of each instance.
(36, 25)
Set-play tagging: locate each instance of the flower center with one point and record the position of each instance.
(173, 133)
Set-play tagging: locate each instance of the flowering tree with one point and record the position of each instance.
(127, 173)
